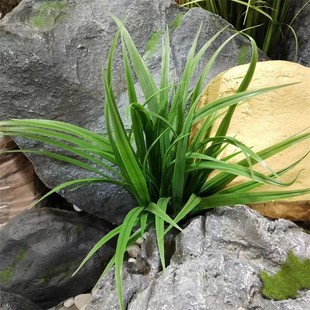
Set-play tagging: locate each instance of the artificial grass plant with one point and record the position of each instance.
(167, 170)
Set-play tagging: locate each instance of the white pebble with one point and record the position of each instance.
(82, 300)
(132, 260)
(139, 241)
(133, 250)
(69, 302)
(77, 209)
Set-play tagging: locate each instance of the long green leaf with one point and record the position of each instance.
(160, 213)
(123, 150)
(98, 245)
(220, 181)
(83, 182)
(160, 226)
(187, 209)
(247, 198)
(124, 235)
(74, 130)
(144, 75)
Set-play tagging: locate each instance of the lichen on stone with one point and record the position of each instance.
(46, 14)
(8, 272)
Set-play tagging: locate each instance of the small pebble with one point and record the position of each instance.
(77, 209)
(133, 250)
(62, 307)
(132, 260)
(139, 241)
(82, 300)
(69, 302)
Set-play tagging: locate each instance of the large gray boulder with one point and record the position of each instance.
(52, 54)
(216, 265)
(41, 248)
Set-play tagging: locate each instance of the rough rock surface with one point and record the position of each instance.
(51, 56)
(301, 26)
(10, 301)
(41, 248)
(216, 265)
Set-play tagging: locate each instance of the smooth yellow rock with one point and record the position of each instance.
(272, 117)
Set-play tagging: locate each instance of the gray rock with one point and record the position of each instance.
(216, 265)
(51, 58)
(301, 26)
(41, 248)
(10, 301)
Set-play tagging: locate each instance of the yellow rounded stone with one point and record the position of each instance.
(269, 118)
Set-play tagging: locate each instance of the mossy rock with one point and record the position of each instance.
(294, 275)
(46, 14)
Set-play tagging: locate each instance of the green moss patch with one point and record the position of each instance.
(7, 274)
(152, 43)
(177, 21)
(294, 275)
(46, 14)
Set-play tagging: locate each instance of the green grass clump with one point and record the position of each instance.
(294, 275)
(265, 20)
(166, 169)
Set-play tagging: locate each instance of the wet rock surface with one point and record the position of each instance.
(41, 248)
(52, 54)
(216, 265)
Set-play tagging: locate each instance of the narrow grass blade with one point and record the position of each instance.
(222, 103)
(160, 213)
(222, 130)
(187, 209)
(87, 135)
(122, 148)
(83, 182)
(160, 226)
(250, 185)
(236, 170)
(85, 155)
(247, 198)
(220, 181)
(98, 245)
(144, 75)
(126, 228)
(164, 78)
(63, 158)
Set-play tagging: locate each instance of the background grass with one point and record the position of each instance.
(270, 15)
